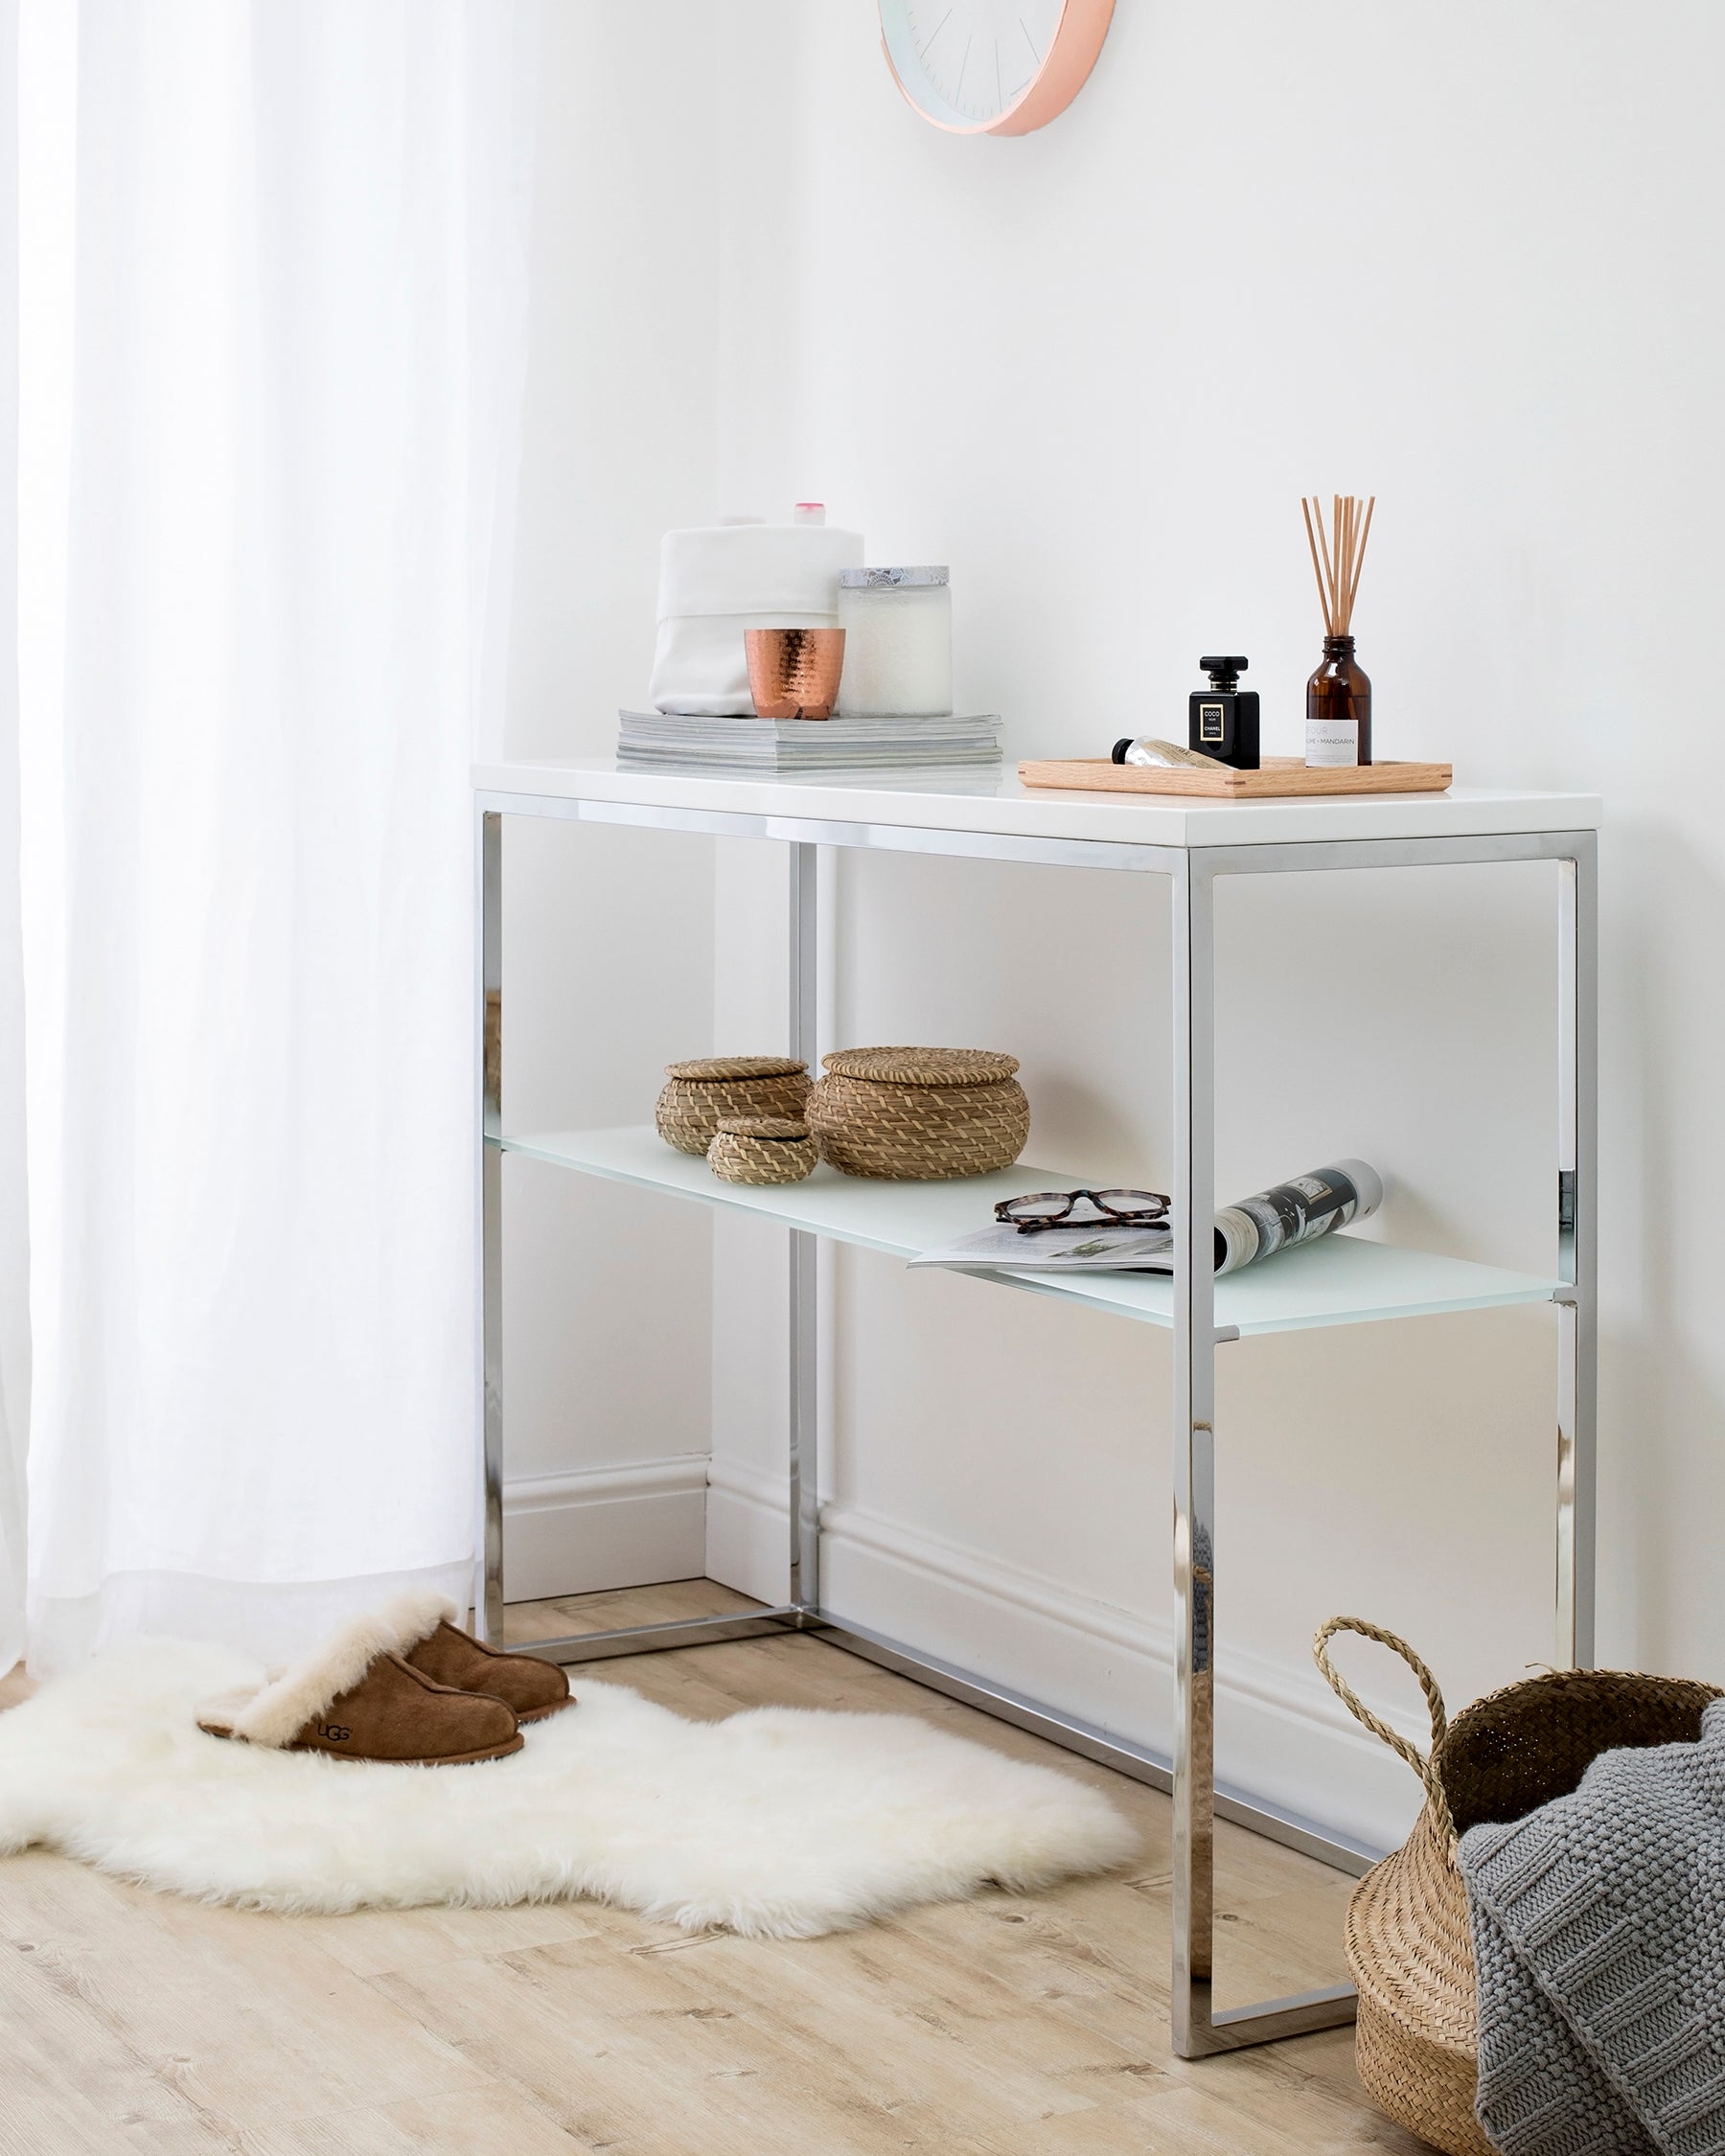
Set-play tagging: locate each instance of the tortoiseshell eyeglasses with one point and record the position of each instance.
(1055, 1208)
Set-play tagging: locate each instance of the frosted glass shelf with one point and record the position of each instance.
(1343, 1280)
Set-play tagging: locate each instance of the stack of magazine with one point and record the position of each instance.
(1268, 1221)
(805, 744)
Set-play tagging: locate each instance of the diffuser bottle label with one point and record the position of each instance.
(1331, 741)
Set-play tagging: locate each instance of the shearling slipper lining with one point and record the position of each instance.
(275, 1715)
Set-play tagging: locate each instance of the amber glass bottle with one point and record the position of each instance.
(1338, 708)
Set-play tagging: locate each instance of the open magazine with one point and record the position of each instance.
(1271, 1220)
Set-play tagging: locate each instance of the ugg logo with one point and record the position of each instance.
(333, 1732)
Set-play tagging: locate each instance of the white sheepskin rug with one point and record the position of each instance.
(780, 1823)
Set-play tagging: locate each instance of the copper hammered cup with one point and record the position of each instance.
(793, 673)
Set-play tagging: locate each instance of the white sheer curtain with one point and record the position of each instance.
(15, 1272)
(274, 308)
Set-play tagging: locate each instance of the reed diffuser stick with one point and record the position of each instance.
(1348, 526)
(1338, 554)
(1306, 510)
(1326, 583)
(1360, 557)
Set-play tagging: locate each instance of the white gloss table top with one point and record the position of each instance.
(992, 799)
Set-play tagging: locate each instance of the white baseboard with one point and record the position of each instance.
(1280, 1733)
(605, 1526)
(748, 1529)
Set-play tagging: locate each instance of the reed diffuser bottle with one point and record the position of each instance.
(1338, 695)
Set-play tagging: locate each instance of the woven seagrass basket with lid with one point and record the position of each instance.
(698, 1096)
(762, 1150)
(1409, 1944)
(919, 1114)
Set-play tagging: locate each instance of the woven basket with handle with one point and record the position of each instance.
(1409, 1945)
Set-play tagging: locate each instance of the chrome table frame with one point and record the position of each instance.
(1199, 2027)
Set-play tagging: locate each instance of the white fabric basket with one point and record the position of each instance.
(718, 580)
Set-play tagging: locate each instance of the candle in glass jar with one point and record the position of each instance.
(898, 642)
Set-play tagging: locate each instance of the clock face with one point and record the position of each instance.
(999, 67)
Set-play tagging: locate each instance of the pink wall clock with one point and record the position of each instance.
(992, 67)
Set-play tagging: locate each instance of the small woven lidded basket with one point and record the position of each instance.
(1409, 1945)
(762, 1150)
(697, 1096)
(919, 1114)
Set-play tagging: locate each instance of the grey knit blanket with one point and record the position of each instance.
(1598, 1931)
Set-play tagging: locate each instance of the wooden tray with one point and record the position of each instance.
(1279, 776)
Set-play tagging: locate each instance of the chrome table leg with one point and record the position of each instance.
(488, 1596)
(1577, 1213)
(1197, 2028)
(804, 1461)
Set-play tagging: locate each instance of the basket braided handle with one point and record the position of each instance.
(1421, 1762)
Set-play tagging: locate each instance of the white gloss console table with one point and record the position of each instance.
(1341, 1280)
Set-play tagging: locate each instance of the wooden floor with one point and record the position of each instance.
(1031, 2026)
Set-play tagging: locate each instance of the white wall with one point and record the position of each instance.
(606, 1292)
(1464, 258)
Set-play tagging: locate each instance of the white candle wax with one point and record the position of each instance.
(898, 644)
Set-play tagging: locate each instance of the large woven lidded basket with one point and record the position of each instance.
(919, 1114)
(1409, 1945)
(698, 1096)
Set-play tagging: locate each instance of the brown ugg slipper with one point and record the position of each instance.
(534, 1688)
(355, 1698)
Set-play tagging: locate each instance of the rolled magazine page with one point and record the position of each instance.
(1268, 1221)
(1294, 1212)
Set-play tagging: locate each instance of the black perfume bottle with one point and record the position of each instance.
(1224, 722)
